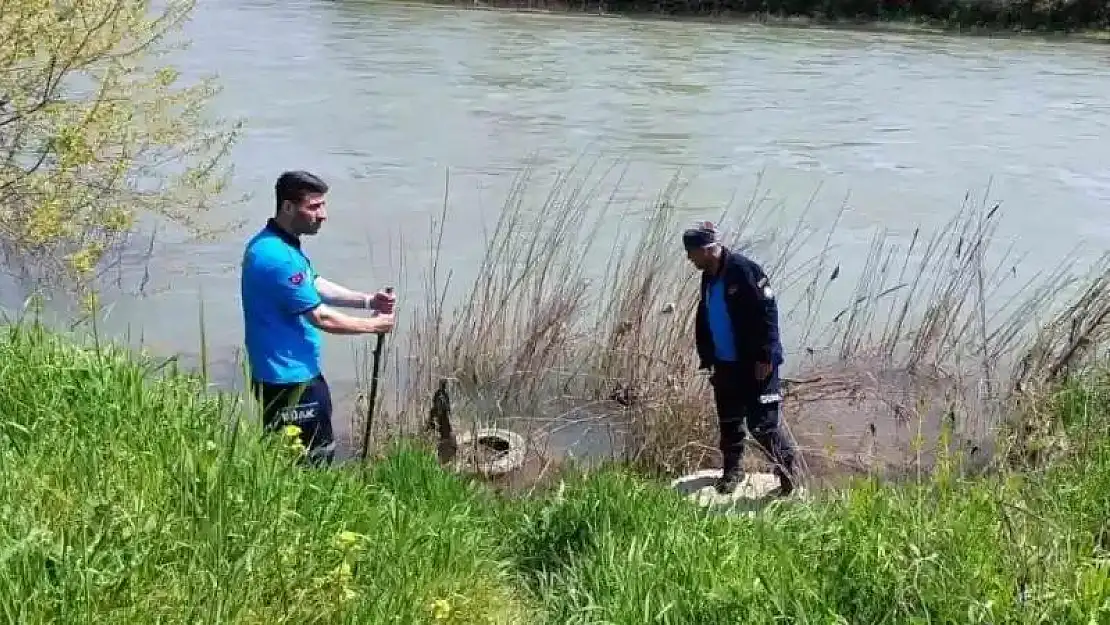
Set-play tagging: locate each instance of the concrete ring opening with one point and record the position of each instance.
(490, 451)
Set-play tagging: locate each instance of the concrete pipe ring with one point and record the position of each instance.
(491, 451)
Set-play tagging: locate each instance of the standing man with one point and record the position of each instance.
(737, 335)
(285, 306)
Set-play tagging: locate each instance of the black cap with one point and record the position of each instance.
(705, 233)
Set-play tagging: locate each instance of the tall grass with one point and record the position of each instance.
(936, 343)
(129, 499)
(130, 496)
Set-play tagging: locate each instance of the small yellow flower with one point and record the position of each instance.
(291, 431)
(347, 539)
(441, 609)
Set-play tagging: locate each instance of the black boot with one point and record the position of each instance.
(727, 483)
(785, 470)
(786, 482)
(782, 455)
(731, 476)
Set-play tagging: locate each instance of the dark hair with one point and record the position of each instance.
(294, 185)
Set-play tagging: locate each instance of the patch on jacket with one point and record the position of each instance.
(770, 398)
(765, 288)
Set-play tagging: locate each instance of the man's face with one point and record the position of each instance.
(309, 214)
(702, 258)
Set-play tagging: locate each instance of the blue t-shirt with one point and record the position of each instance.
(277, 287)
(720, 324)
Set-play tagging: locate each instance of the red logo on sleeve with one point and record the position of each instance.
(297, 278)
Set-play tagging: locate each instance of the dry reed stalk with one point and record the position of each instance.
(926, 326)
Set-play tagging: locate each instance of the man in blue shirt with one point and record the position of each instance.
(737, 336)
(286, 305)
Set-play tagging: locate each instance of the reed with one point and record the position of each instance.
(934, 343)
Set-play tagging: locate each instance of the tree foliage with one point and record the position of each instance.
(94, 132)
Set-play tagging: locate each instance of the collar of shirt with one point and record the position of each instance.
(273, 227)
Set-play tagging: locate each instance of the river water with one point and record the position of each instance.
(382, 99)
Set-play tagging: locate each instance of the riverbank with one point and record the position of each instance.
(128, 499)
(1082, 22)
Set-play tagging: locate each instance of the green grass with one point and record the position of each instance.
(128, 500)
(129, 496)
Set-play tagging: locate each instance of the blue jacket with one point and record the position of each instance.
(752, 309)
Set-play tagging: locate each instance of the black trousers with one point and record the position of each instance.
(743, 400)
(306, 405)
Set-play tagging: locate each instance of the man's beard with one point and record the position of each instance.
(310, 227)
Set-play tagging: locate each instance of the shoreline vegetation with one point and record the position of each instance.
(128, 498)
(134, 495)
(936, 349)
(1075, 20)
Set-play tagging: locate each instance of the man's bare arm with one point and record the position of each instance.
(332, 321)
(340, 296)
